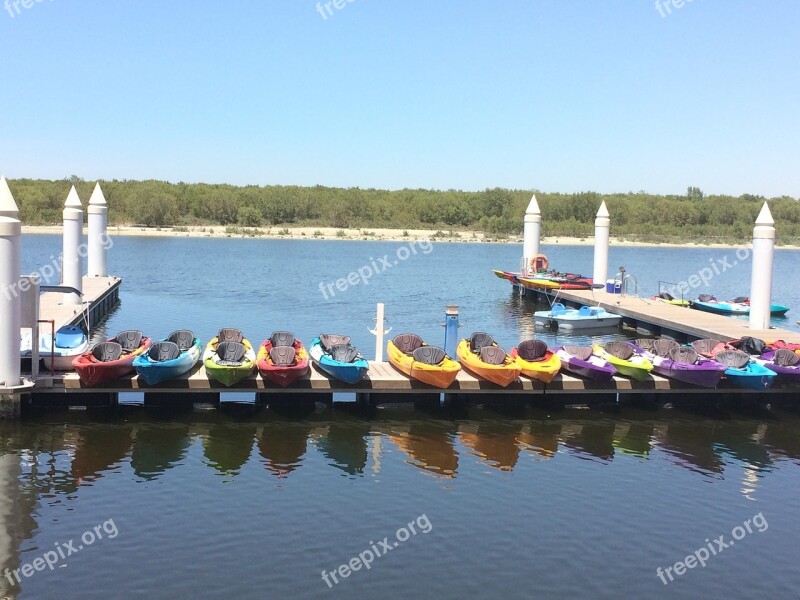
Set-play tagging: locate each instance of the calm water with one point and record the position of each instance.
(505, 503)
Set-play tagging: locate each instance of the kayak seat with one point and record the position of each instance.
(230, 335)
(107, 351)
(580, 352)
(706, 346)
(619, 349)
(329, 340)
(663, 346)
(786, 358)
(735, 359)
(645, 344)
(344, 353)
(684, 355)
(706, 298)
(493, 355)
(282, 338)
(532, 350)
(230, 354)
(282, 356)
(407, 342)
(741, 300)
(183, 337)
(129, 340)
(480, 340)
(163, 351)
(430, 355)
(666, 296)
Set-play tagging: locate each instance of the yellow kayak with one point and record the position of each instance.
(428, 364)
(534, 283)
(481, 355)
(625, 360)
(536, 360)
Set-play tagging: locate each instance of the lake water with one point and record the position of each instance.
(484, 501)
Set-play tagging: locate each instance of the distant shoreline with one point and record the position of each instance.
(365, 234)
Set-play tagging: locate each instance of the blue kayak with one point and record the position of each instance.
(743, 372)
(735, 308)
(169, 358)
(334, 355)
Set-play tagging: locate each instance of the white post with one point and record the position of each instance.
(602, 224)
(761, 277)
(379, 331)
(10, 232)
(98, 234)
(72, 262)
(531, 234)
(8, 207)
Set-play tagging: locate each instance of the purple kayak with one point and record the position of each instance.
(580, 361)
(784, 362)
(681, 363)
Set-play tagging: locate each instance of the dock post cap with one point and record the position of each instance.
(765, 216)
(765, 225)
(451, 309)
(533, 207)
(73, 201)
(97, 198)
(602, 212)
(8, 207)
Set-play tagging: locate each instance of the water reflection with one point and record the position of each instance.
(345, 445)
(97, 449)
(227, 447)
(158, 447)
(428, 446)
(282, 445)
(493, 442)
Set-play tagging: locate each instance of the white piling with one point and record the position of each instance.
(379, 332)
(8, 207)
(531, 234)
(98, 234)
(761, 277)
(602, 225)
(72, 261)
(10, 232)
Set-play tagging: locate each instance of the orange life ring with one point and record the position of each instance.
(539, 263)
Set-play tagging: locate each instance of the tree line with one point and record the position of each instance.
(498, 212)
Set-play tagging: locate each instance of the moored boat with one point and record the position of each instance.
(482, 356)
(625, 359)
(111, 359)
(572, 319)
(738, 306)
(681, 363)
(334, 355)
(58, 352)
(282, 358)
(229, 358)
(580, 360)
(783, 361)
(169, 358)
(428, 364)
(536, 360)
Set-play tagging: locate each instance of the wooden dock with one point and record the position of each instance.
(660, 318)
(100, 295)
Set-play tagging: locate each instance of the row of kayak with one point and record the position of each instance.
(739, 306)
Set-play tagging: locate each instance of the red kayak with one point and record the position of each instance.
(282, 358)
(112, 359)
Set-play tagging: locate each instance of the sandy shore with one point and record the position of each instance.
(389, 235)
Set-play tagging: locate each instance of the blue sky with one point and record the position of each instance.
(556, 95)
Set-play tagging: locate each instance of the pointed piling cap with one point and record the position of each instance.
(8, 208)
(533, 207)
(765, 216)
(603, 211)
(97, 199)
(73, 201)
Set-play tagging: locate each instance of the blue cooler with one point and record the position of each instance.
(613, 286)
